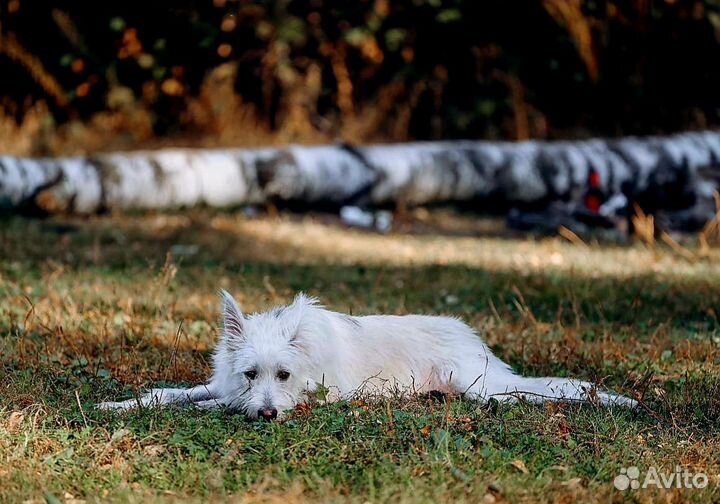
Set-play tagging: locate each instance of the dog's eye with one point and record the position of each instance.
(251, 374)
(283, 375)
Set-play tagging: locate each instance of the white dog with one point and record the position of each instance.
(266, 363)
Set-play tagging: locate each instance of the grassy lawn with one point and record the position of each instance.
(100, 308)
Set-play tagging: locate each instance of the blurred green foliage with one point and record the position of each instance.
(421, 69)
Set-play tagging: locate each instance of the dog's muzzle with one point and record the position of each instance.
(267, 413)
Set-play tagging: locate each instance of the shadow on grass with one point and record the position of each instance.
(125, 252)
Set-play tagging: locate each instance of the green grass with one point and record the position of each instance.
(96, 309)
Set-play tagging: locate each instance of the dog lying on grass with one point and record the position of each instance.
(266, 363)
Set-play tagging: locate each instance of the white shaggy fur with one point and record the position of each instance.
(266, 363)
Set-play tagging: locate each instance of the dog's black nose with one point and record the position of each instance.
(267, 413)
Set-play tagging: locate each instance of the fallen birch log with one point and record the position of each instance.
(510, 174)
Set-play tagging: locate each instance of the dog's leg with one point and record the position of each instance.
(474, 379)
(160, 397)
(209, 404)
(491, 378)
(511, 388)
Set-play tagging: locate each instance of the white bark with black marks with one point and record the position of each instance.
(375, 175)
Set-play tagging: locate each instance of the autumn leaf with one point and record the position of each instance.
(520, 466)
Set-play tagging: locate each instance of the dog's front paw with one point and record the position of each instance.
(116, 406)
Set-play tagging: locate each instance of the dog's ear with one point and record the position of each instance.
(302, 300)
(296, 313)
(232, 317)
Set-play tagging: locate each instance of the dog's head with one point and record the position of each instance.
(266, 356)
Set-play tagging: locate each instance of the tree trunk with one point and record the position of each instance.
(506, 174)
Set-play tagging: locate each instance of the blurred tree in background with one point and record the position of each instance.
(78, 76)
